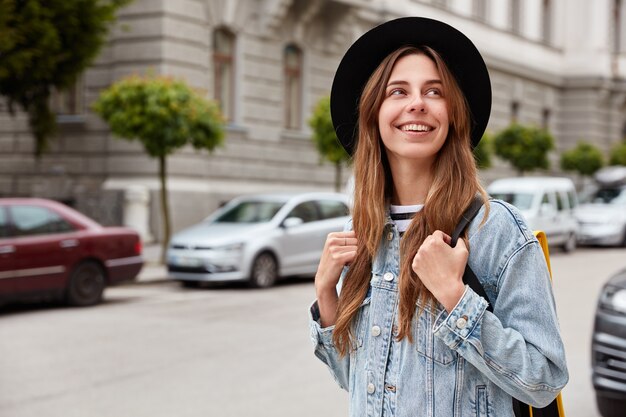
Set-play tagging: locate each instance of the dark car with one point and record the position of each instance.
(608, 348)
(49, 250)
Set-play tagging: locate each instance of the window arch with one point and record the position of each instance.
(292, 62)
(223, 70)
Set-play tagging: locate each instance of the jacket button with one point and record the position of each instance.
(461, 322)
(388, 276)
(370, 388)
(375, 331)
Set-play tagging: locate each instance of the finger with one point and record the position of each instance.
(351, 241)
(346, 234)
(343, 249)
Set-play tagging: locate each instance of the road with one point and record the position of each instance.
(159, 350)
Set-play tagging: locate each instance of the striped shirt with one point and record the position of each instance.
(402, 215)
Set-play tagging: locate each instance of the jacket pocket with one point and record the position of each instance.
(425, 341)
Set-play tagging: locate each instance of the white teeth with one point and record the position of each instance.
(415, 128)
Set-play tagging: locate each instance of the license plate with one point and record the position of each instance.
(186, 261)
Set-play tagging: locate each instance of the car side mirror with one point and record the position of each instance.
(292, 222)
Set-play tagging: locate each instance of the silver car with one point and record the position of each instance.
(258, 239)
(602, 217)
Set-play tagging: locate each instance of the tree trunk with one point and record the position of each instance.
(338, 176)
(165, 209)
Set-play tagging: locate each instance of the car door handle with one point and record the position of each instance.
(68, 243)
(7, 249)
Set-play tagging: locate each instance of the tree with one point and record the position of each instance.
(46, 44)
(525, 147)
(326, 140)
(585, 159)
(483, 151)
(164, 115)
(618, 154)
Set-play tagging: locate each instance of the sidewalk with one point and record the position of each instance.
(153, 270)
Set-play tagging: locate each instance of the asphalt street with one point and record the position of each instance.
(155, 349)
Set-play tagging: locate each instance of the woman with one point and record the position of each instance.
(393, 320)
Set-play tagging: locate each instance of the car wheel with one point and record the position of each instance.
(570, 243)
(610, 407)
(86, 284)
(264, 271)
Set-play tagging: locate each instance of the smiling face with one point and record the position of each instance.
(413, 118)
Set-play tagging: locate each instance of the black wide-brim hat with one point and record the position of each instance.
(364, 56)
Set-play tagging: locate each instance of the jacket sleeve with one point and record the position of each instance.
(518, 346)
(322, 338)
(324, 349)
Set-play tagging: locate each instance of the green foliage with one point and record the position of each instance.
(483, 151)
(324, 135)
(584, 159)
(525, 147)
(162, 113)
(46, 44)
(326, 140)
(618, 154)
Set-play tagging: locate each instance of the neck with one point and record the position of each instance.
(411, 182)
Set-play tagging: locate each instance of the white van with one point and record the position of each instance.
(547, 204)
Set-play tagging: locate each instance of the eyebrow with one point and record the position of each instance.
(402, 82)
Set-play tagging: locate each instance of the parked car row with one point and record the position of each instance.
(551, 204)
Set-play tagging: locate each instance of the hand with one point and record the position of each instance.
(440, 267)
(339, 251)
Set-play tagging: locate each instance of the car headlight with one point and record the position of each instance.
(613, 298)
(230, 249)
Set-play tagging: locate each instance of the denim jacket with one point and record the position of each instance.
(465, 363)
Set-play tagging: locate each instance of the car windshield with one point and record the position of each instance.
(608, 196)
(250, 212)
(522, 201)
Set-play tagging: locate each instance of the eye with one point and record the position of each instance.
(396, 92)
(433, 92)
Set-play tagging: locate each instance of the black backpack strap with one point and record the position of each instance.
(469, 277)
(466, 218)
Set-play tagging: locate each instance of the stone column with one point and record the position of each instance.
(137, 211)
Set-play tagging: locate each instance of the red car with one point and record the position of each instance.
(48, 249)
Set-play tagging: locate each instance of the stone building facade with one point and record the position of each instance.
(554, 63)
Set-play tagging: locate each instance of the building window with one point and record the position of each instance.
(293, 86)
(516, 16)
(619, 32)
(479, 10)
(514, 111)
(68, 102)
(545, 119)
(223, 67)
(546, 22)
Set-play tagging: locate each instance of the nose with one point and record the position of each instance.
(417, 104)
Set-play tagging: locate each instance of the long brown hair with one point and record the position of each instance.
(455, 183)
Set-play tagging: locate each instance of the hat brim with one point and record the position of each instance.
(364, 56)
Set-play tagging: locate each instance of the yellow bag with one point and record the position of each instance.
(556, 407)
